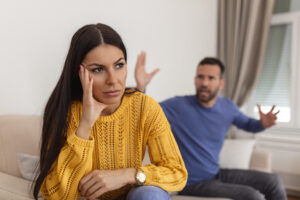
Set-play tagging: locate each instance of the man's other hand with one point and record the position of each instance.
(142, 78)
(267, 119)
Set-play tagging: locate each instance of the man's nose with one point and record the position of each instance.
(205, 82)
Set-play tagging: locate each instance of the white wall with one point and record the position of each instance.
(35, 37)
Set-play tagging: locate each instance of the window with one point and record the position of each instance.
(279, 76)
(284, 6)
(274, 85)
(279, 84)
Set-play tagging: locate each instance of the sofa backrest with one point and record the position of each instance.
(18, 134)
(22, 133)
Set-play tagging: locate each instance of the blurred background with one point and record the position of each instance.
(35, 37)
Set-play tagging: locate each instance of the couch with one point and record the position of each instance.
(21, 134)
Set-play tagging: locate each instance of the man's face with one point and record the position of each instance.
(208, 82)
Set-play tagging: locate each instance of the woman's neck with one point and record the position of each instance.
(110, 109)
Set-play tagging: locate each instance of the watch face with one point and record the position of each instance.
(141, 177)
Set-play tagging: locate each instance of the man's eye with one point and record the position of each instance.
(119, 65)
(99, 69)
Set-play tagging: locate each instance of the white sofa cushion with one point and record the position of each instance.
(236, 154)
(16, 188)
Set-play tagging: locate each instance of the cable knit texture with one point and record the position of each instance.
(118, 141)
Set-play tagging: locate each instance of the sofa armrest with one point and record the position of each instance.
(261, 160)
(18, 134)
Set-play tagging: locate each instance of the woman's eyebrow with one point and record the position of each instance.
(119, 60)
(96, 64)
(100, 65)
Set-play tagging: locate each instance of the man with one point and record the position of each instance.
(200, 123)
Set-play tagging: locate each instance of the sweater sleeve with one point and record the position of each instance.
(73, 162)
(167, 169)
(246, 123)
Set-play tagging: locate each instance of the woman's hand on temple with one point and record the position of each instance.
(142, 78)
(91, 109)
(98, 182)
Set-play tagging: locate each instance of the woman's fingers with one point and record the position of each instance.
(87, 182)
(86, 79)
(90, 86)
(84, 180)
(98, 193)
(94, 189)
(90, 187)
(83, 73)
(86, 82)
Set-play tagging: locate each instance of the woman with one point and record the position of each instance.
(95, 131)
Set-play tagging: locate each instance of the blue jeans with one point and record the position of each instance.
(147, 193)
(239, 185)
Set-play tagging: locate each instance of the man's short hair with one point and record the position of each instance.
(213, 61)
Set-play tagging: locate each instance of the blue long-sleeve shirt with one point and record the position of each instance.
(200, 132)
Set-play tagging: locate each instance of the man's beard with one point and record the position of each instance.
(212, 94)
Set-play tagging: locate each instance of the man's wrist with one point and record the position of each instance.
(140, 88)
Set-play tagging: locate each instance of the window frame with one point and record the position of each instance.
(293, 19)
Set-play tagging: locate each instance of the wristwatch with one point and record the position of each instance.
(140, 177)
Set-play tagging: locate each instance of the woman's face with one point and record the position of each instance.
(107, 66)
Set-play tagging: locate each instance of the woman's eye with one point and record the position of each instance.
(119, 65)
(99, 69)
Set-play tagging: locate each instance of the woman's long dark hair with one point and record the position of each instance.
(68, 89)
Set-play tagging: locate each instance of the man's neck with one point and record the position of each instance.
(208, 104)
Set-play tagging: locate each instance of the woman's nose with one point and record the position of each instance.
(112, 77)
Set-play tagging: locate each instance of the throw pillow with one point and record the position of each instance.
(236, 154)
(28, 165)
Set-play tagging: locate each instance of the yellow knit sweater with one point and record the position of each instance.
(118, 141)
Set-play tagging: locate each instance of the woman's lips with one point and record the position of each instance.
(112, 93)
